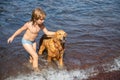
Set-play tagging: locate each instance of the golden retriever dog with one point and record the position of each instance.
(54, 46)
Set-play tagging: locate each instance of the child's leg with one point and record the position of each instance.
(30, 59)
(34, 46)
(29, 48)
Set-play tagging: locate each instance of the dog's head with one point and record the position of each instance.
(60, 35)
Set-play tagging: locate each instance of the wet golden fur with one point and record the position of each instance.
(54, 46)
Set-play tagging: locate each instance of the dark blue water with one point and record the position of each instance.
(93, 28)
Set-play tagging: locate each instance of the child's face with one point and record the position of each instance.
(40, 21)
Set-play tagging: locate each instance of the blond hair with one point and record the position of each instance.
(37, 13)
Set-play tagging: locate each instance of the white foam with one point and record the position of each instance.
(112, 66)
(52, 74)
(55, 74)
(117, 61)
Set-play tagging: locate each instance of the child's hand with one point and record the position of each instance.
(10, 40)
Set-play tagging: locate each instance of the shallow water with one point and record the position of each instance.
(93, 41)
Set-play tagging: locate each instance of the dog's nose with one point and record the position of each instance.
(63, 38)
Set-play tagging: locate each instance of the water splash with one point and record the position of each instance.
(56, 74)
(52, 74)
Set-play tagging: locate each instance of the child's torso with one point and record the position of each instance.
(32, 32)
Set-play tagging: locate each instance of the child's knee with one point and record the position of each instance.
(35, 56)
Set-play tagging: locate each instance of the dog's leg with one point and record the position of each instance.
(49, 59)
(61, 62)
(42, 48)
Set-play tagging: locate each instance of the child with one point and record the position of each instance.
(32, 28)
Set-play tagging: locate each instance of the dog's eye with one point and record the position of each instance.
(59, 33)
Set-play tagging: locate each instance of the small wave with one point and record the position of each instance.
(55, 74)
(52, 74)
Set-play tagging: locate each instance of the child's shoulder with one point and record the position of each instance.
(28, 23)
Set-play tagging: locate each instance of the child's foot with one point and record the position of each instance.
(28, 65)
(36, 69)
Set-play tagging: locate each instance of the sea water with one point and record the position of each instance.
(92, 44)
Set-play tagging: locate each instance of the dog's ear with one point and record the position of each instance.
(65, 34)
(56, 33)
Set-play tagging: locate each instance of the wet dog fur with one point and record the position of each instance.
(55, 46)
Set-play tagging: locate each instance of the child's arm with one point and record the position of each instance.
(49, 33)
(20, 30)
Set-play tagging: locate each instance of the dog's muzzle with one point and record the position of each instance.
(63, 40)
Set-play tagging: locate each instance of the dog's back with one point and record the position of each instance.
(43, 38)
